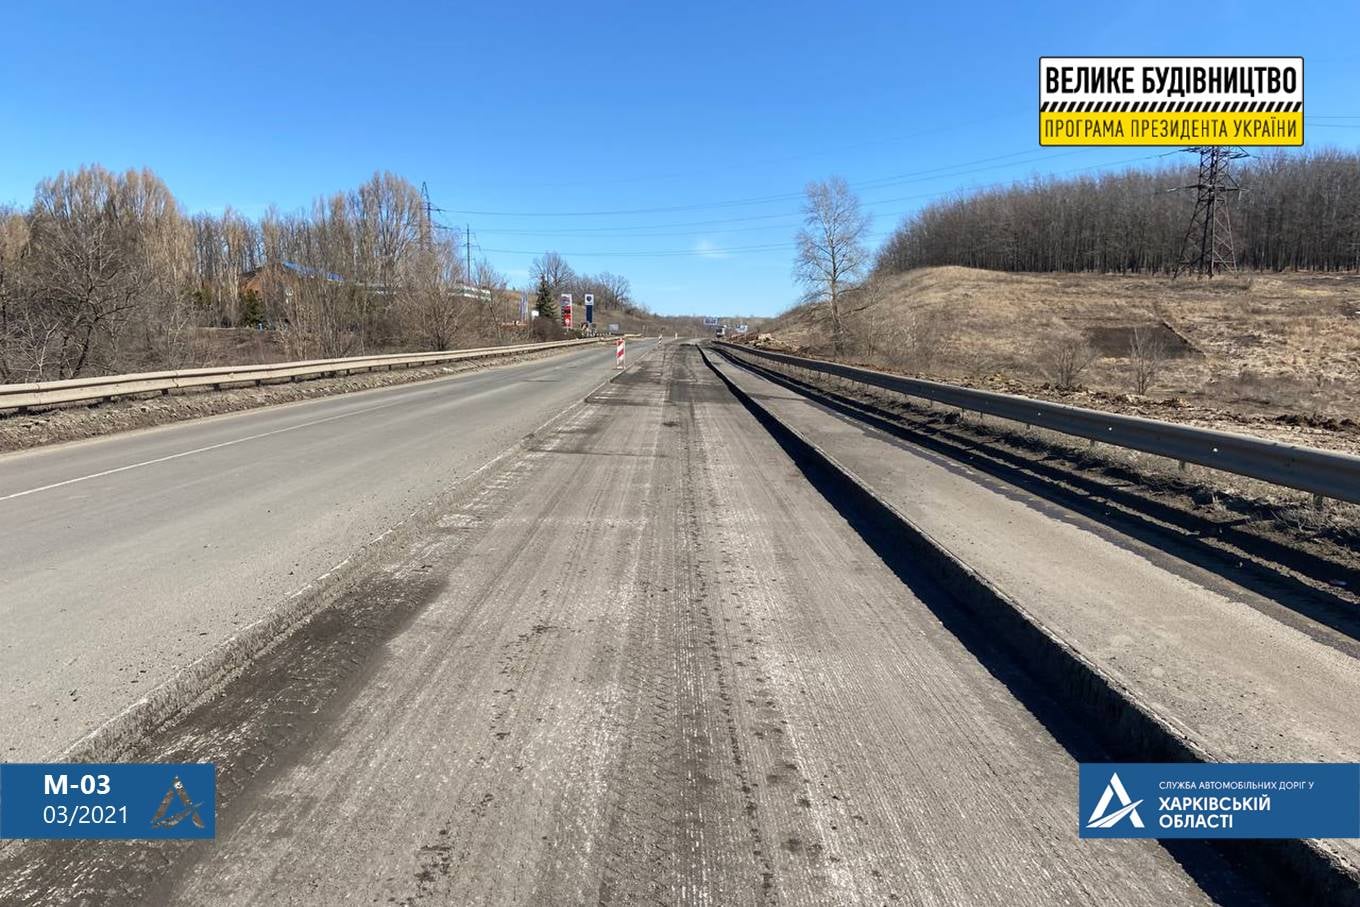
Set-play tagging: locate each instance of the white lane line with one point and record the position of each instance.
(198, 450)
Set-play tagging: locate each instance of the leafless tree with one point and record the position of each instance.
(431, 309)
(1063, 358)
(553, 268)
(616, 291)
(1147, 356)
(104, 248)
(831, 253)
(490, 305)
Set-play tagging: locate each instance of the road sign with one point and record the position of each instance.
(613, 328)
(590, 308)
(566, 310)
(710, 321)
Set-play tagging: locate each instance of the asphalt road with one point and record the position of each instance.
(126, 558)
(643, 660)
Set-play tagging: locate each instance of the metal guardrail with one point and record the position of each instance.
(1320, 472)
(106, 387)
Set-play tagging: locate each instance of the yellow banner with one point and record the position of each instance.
(1168, 128)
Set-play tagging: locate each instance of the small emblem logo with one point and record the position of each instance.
(1128, 807)
(189, 811)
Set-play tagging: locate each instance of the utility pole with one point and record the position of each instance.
(467, 239)
(1208, 243)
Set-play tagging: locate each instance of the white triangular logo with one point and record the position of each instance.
(1127, 807)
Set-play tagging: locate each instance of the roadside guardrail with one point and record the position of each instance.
(1323, 473)
(23, 397)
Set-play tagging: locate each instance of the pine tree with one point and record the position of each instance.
(543, 300)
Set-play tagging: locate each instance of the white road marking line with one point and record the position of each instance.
(198, 450)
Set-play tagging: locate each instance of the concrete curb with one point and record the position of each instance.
(1131, 729)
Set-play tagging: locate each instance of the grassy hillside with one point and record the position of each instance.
(1270, 345)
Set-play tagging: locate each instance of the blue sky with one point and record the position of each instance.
(668, 143)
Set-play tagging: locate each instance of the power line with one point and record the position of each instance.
(912, 176)
(720, 252)
(787, 219)
(911, 137)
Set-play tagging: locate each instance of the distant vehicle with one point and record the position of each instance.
(721, 331)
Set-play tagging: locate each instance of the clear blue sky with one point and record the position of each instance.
(701, 121)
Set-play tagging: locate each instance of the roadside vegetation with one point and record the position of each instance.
(1296, 211)
(106, 273)
(1061, 289)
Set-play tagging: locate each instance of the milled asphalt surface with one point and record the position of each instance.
(109, 583)
(1202, 652)
(644, 661)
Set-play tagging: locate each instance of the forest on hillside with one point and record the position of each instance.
(105, 272)
(1294, 211)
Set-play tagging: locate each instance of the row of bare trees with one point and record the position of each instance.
(611, 292)
(96, 266)
(104, 272)
(1295, 211)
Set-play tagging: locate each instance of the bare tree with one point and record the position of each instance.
(431, 312)
(616, 291)
(831, 252)
(1147, 356)
(105, 250)
(1063, 358)
(493, 290)
(553, 268)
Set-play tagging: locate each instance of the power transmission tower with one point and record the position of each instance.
(1208, 244)
(427, 228)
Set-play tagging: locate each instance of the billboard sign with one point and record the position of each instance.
(1176, 101)
(590, 308)
(566, 310)
(710, 321)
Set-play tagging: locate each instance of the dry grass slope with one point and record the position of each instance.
(1276, 354)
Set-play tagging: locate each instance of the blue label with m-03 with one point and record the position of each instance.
(122, 801)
